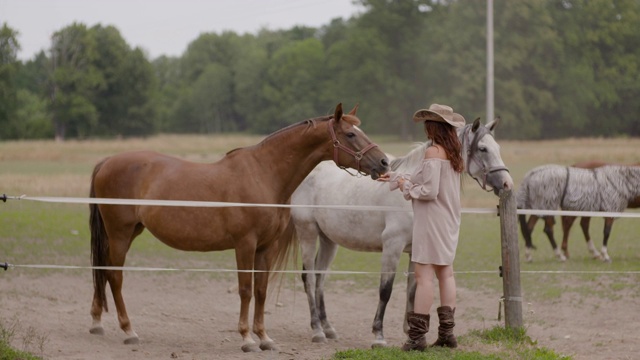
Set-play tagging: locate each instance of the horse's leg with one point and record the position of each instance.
(584, 224)
(326, 253)
(307, 238)
(608, 223)
(391, 253)
(245, 262)
(567, 222)
(526, 227)
(96, 315)
(119, 244)
(548, 229)
(411, 293)
(263, 262)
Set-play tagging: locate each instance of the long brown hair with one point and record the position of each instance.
(445, 135)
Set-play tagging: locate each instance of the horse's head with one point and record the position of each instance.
(482, 156)
(352, 147)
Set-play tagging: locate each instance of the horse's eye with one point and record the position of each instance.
(351, 135)
(482, 148)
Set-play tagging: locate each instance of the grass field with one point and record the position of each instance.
(50, 233)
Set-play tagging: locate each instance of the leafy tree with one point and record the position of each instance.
(35, 74)
(209, 48)
(249, 74)
(357, 73)
(607, 38)
(123, 100)
(9, 47)
(294, 86)
(74, 82)
(528, 53)
(168, 79)
(209, 102)
(562, 68)
(31, 120)
(389, 34)
(206, 102)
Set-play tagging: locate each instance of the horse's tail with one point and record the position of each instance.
(286, 249)
(524, 202)
(526, 234)
(99, 244)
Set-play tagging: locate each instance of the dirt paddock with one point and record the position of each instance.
(190, 316)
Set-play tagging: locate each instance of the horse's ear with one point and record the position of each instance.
(476, 124)
(492, 125)
(338, 114)
(354, 110)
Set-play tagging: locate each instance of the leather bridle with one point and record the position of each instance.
(471, 152)
(337, 146)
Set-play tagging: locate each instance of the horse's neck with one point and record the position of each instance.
(289, 155)
(462, 133)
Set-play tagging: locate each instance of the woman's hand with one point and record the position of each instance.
(383, 178)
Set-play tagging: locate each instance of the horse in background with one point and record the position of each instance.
(389, 232)
(552, 187)
(265, 173)
(567, 221)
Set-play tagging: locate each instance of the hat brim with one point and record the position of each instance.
(423, 115)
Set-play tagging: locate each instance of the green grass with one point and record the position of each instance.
(31, 342)
(497, 343)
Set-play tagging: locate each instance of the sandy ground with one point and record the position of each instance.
(193, 316)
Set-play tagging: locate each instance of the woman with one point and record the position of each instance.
(434, 190)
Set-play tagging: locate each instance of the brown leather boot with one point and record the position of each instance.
(418, 327)
(445, 330)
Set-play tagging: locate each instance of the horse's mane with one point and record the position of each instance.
(308, 122)
(412, 159)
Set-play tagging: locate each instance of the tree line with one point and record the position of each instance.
(563, 68)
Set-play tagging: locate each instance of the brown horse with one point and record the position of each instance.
(266, 173)
(567, 221)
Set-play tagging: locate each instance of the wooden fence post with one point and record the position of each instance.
(510, 260)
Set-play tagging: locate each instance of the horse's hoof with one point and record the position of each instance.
(331, 334)
(269, 346)
(319, 338)
(97, 330)
(250, 348)
(379, 344)
(132, 340)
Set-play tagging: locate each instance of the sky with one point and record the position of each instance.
(163, 27)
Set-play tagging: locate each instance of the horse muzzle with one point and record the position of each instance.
(498, 178)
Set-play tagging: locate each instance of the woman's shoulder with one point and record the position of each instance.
(435, 152)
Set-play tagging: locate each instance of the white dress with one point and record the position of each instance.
(434, 191)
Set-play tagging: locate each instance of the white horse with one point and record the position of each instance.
(388, 232)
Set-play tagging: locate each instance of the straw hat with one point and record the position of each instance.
(442, 113)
